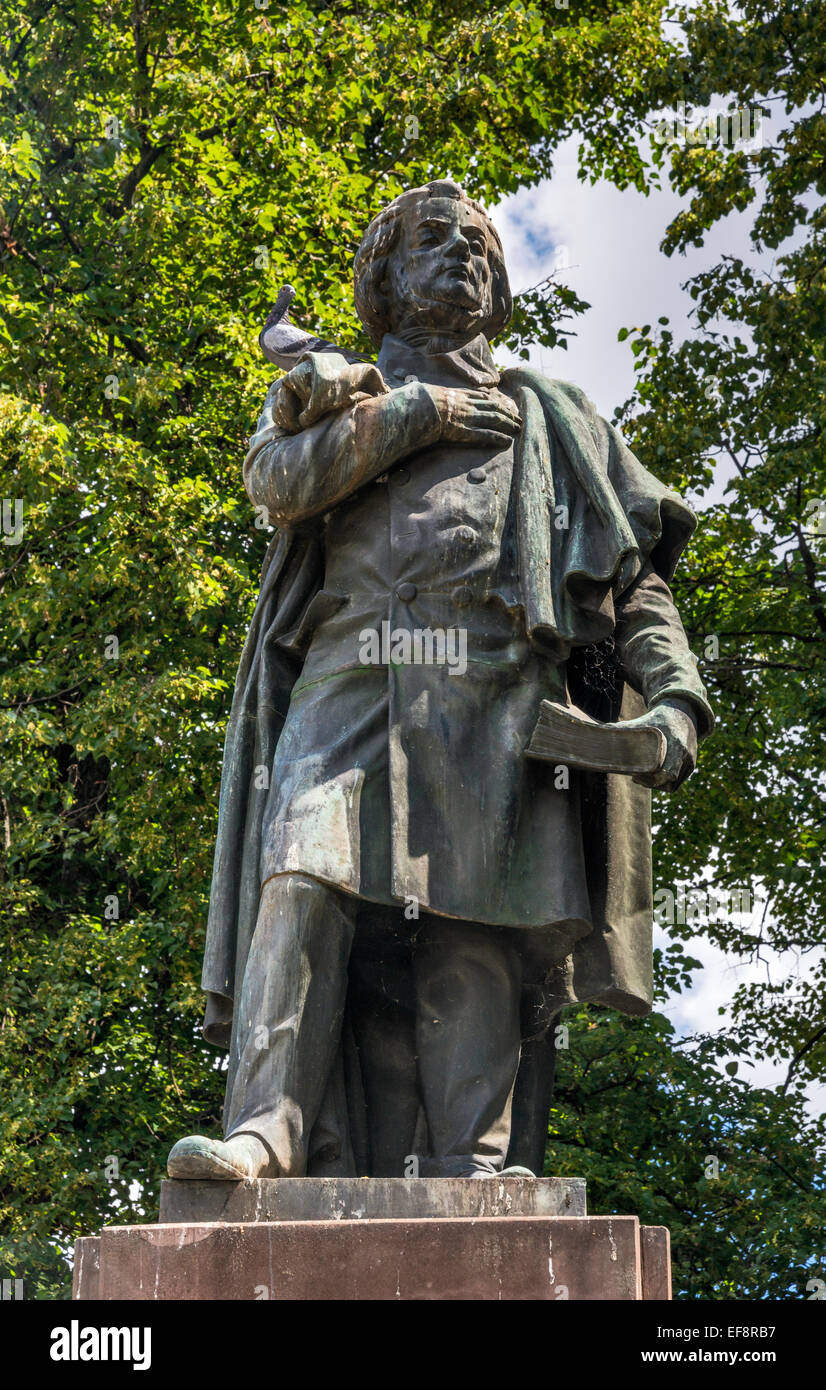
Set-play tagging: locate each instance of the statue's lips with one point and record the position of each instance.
(458, 278)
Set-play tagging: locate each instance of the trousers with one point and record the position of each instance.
(436, 1023)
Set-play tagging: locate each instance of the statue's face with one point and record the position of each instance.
(439, 273)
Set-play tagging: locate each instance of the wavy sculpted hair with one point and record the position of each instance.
(379, 241)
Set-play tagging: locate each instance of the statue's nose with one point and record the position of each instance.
(458, 247)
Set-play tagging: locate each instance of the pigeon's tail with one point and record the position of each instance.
(284, 344)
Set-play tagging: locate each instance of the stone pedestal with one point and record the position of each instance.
(376, 1239)
(365, 1199)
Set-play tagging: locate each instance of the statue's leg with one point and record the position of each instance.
(286, 1034)
(289, 1016)
(541, 951)
(468, 981)
(532, 1099)
(382, 1010)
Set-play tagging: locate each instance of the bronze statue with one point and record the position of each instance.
(403, 900)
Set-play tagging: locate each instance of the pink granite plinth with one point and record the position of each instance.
(443, 1258)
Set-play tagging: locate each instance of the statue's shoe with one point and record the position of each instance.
(227, 1160)
(514, 1172)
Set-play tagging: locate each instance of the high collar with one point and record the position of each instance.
(469, 365)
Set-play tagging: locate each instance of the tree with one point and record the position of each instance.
(744, 394)
(743, 397)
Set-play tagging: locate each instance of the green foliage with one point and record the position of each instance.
(744, 399)
(538, 316)
(731, 1169)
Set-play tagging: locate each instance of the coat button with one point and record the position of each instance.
(406, 592)
(462, 595)
(476, 475)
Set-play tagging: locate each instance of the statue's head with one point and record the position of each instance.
(432, 259)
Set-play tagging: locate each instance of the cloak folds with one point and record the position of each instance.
(617, 516)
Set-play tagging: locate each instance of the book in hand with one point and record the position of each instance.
(566, 734)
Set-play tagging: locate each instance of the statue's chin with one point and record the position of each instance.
(456, 316)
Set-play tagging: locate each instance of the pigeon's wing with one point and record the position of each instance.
(283, 343)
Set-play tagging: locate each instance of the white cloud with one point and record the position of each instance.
(697, 1010)
(612, 239)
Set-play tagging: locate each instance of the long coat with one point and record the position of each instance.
(622, 520)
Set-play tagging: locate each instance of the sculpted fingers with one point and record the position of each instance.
(671, 775)
(479, 413)
(505, 403)
(300, 380)
(286, 406)
(488, 438)
(487, 418)
(491, 405)
(677, 724)
(474, 416)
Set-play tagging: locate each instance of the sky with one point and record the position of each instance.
(611, 242)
